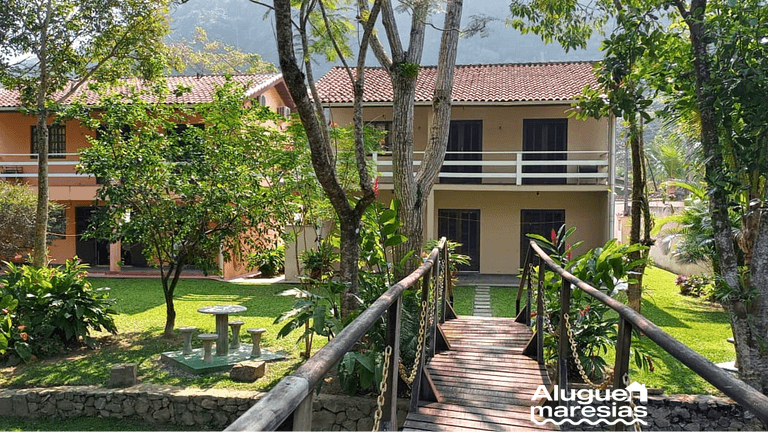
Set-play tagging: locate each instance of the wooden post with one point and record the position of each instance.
(416, 385)
(563, 348)
(302, 417)
(621, 368)
(540, 314)
(433, 330)
(389, 411)
(529, 308)
(440, 277)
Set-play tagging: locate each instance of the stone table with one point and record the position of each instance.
(222, 318)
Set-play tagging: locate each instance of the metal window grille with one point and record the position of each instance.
(57, 141)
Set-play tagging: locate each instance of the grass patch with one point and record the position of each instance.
(82, 424)
(703, 326)
(503, 301)
(141, 322)
(464, 300)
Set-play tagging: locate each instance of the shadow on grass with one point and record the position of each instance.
(673, 371)
(135, 296)
(660, 317)
(92, 367)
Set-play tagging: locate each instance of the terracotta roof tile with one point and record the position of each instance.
(202, 88)
(473, 83)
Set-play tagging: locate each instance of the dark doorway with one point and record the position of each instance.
(91, 251)
(465, 142)
(462, 226)
(540, 222)
(545, 135)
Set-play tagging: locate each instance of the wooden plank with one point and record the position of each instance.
(497, 417)
(504, 365)
(487, 383)
(421, 425)
(485, 377)
(467, 424)
(510, 410)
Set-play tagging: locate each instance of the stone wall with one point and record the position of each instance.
(690, 413)
(209, 408)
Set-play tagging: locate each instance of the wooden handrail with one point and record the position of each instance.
(297, 389)
(734, 388)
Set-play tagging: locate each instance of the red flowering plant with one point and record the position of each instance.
(592, 327)
(50, 309)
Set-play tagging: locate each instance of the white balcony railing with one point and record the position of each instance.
(24, 165)
(514, 167)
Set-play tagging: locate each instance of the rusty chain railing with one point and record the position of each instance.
(742, 393)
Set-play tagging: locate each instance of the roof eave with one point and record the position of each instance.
(462, 103)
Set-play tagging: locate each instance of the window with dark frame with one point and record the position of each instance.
(57, 141)
(57, 224)
(385, 144)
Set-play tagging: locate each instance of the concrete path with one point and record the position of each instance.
(482, 301)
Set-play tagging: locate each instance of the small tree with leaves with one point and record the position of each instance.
(186, 192)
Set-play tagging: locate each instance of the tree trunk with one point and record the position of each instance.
(749, 312)
(323, 157)
(350, 252)
(413, 192)
(170, 313)
(639, 204)
(40, 245)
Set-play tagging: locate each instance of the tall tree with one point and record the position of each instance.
(622, 93)
(402, 64)
(50, 49)
(314, 20)
(712, 63)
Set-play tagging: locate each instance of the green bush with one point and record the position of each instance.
(270, 262)
(56, 307)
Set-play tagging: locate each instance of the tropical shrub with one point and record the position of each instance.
(57, 307)
(607, 268)
(694, 286)
(270, 262)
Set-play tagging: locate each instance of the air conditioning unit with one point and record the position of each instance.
(284, 111)
(263, 100)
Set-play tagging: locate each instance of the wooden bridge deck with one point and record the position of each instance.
(483, 382)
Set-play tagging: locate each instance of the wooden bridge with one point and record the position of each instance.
(475, 374)
(483, 381)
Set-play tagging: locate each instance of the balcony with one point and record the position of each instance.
(516, 168)
(24, 165)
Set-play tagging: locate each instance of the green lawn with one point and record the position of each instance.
(464, 300)
(141, 322)
(701, 325)
(503, 301)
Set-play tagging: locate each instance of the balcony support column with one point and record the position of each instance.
(115, 256)
(431, 230)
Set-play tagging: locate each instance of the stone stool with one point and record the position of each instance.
(235, 326)
(187, 333)
(208, 340)
(256, 335)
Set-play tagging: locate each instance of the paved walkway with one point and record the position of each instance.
(482, 301)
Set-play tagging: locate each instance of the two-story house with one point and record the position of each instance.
(516, 162)
(77, 191)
